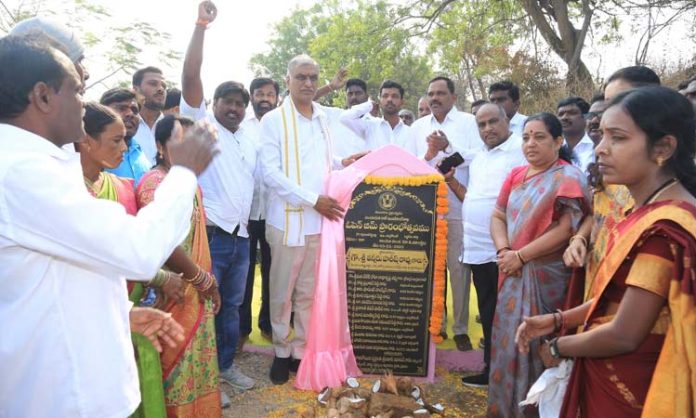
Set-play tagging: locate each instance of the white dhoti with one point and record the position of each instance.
(291, 290)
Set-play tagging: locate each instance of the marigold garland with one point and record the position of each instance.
(439, 283)
(440, 263)
(405, 180)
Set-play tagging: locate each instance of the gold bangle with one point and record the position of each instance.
(580, 237)
(518, 253)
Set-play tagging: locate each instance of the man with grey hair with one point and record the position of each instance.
(407, 116)
(296, 156)
(489, 167)
(423, 107)
(58, 36)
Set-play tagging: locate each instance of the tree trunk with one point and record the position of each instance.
(564, 39)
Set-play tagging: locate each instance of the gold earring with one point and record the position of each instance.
(660, 161)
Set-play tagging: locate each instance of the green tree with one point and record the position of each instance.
(357, 35)
(291, 36)
(121, 46)
(564, 26)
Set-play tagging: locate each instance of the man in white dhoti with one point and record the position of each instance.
(296, 156)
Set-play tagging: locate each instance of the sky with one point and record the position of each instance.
(243, 28)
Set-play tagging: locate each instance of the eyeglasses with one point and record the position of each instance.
(303, 78)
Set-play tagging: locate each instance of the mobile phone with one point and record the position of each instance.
(450, 162)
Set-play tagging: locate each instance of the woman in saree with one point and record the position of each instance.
(636, 355)
(539, 207)
(103, 148)
(609, 201)
(190, 371)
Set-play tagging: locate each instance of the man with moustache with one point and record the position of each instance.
(296, 157)
(228, 188)
(134, 163)
(571, 112)
(594, 117)
(264, 98)
(433, 138)
(507, 94)
(63, 272)
(345, 141)
(149, 84)
(490, 166)
(377, 132)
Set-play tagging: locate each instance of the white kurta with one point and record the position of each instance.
(65, 346)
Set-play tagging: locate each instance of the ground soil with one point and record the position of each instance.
(268, 400)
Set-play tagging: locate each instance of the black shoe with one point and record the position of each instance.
(294, 365)
(463, 342)
(280, 370)
(476, 381)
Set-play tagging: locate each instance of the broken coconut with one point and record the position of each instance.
(324, 395)
(421, 413)
(352, 382)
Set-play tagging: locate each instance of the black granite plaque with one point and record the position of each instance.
(390, 245)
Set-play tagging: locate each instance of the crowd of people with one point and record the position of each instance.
(130, 230)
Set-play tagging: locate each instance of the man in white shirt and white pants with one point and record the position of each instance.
(501, 152)
(65, 344)
(228, 188)
(435, 137)
(296, 156)
(264, 98)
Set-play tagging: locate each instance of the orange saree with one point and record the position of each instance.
(190, 371)
(654, 249)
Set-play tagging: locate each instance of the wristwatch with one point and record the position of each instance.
(553, 348)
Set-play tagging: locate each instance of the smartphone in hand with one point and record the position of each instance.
(450, 162)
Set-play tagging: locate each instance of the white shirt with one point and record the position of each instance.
(375, 132)
(228, 182)
(312, 150)
(65, 345)
(487, 172)
(145, 137)
(252, 126)
(517, 123)
(463, 135)
(345, 141)
(584, 153)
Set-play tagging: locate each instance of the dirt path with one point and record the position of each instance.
(268, 400)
